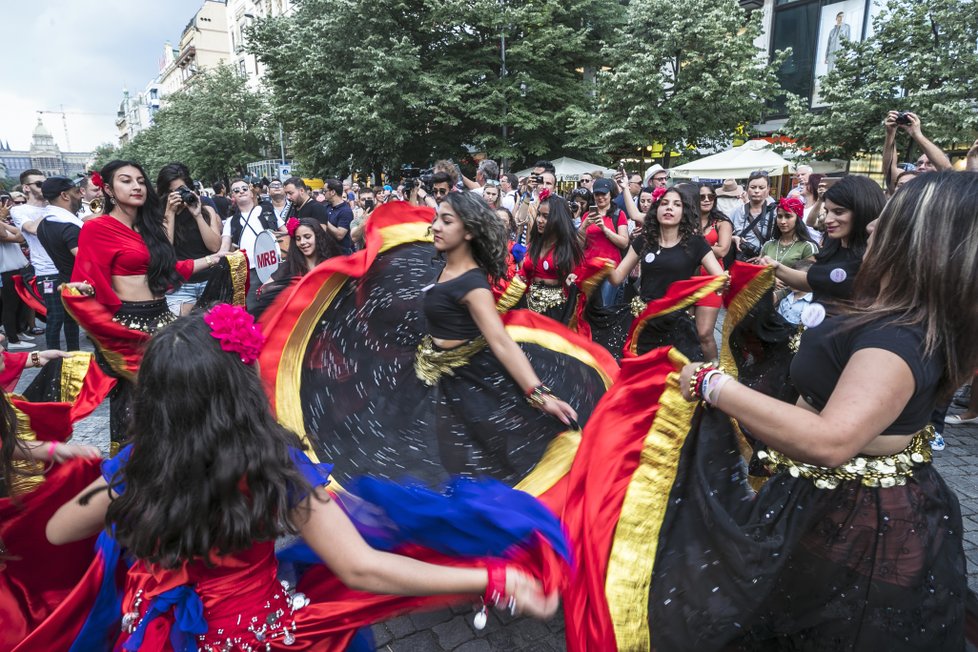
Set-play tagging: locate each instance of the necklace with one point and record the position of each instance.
(782, 251)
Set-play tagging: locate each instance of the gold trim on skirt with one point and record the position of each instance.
(432, 362)
(638, 306)
(542, 297)
(870, 470)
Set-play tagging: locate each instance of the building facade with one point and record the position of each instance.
(44, 155)
(241, 14)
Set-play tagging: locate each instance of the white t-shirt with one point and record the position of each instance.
(20, 215)
(508, 201)
(250, 228)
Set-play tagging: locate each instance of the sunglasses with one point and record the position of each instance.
(275, 185)
(20, 202)
(36, 184)
(240, 190)
(441, 191)
(707, 197)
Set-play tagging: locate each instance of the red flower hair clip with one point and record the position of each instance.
(545, 194)
(291, 226)
(657, 193)
(97, 180)
(792, 205)
(236, 330)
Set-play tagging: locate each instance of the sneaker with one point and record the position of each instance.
(25, 336)
(937, 443)
(15, 346)
(37, 331)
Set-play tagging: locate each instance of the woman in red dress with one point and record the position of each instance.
(717, 229)
(208, 484)
(124, 266)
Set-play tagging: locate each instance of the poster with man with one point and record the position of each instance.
(838, 22)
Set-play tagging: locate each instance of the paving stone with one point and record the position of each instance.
(382, 635)
(401, 627)
(474, 646)
(417, 642)
(428, 619)
(453, 633)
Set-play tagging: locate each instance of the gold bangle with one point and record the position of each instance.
(35, 359)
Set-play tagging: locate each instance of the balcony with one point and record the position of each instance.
(186, 57)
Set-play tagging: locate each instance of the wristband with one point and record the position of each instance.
(35, 359)
(496, 583)
(51, 447)
(712, 393)
(696, 380)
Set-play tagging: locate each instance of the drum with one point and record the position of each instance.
(267, 255)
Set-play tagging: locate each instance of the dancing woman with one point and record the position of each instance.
(670, 249)
(309, 245)
(125, 265)
(554, 254)
(199, 501)
(851, 205)
(871, 530)
(422, 376)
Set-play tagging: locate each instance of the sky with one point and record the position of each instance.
(80, 55)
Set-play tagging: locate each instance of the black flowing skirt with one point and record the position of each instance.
(674, 329)
(365, 409)
(795, 567)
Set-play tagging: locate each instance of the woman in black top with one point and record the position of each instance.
(459, 306)
(856, 538)
(670, 249)
(851, 204)
(196, 233)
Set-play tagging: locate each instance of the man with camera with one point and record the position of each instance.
(754, 221)
(366, 203)
(931, 158)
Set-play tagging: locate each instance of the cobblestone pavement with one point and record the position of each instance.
(452, 629)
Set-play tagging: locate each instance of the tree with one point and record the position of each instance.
(921, 57)
(103, 154)
(214, 126)
(680, 74)
(369, 85)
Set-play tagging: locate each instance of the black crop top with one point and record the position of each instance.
(826, 348)
(663, 266)
(834, 278)
(447, 317)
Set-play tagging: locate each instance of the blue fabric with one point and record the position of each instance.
(188, 619)
(111, 467)
(101, 625)
(518, 251)
(317, 475)
(470, 518)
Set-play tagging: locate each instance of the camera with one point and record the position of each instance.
(412, 176)
(536, 178)
(621, 166)
(368, 204)
(903, 118)
(187, 196)
(748, 251)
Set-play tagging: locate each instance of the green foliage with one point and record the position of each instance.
(214, 125)
(103, 154)
(921, 57)
(370, 85)
(680, 74)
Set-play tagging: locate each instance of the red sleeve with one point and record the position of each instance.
(528, 267)
(93, 263)
(13, 367)
(185, 268)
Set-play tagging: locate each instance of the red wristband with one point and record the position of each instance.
(51, 448)
(496, 584)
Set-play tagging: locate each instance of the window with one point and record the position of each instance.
(795, 26)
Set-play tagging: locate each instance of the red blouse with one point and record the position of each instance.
(543, 270)
(107, 248)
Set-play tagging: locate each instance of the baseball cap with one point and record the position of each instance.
(602, 185)
(54, 186)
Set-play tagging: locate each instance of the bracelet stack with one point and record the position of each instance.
(495, 593)
(537, 396)
(707, 381)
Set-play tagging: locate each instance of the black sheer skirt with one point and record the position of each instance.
(794, 567)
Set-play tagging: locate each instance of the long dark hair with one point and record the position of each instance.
(211, 468)
(689, 224)
(326, 247)
(865, 199)
(801, 232)
(167, 175)
(489, 240)
(162, 272)
(560, 233)
(8, 443)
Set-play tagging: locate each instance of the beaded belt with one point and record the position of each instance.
(432, 362)
(870, 470)
(638, 306)
(541, 298)
(144, 316)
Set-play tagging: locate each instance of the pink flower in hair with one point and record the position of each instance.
(291, 226)
(236, 330)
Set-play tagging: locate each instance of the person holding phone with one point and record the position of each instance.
(604, 231)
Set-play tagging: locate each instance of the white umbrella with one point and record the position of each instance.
(736, 163)
(570, 169)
